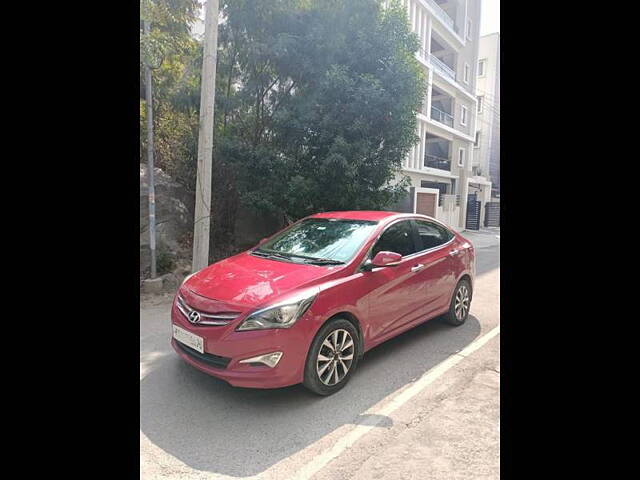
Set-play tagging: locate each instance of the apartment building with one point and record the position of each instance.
(440, 164)
(487, 148)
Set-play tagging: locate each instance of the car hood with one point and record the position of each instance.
(248, 281)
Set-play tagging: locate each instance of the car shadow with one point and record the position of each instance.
(212, 426)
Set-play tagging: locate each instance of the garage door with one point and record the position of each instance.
(426, 204)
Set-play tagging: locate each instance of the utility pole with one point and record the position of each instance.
(202, 220)
(150, 166)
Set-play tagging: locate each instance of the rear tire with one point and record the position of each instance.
(336, 347)
(460, 304)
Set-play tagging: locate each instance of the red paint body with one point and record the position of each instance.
(385, 301)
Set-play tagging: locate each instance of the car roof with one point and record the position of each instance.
(374, 215)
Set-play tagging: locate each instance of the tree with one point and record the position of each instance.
(173, 54)
(316, 103)
(169, 38)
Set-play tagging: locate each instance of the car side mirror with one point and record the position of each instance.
(383, 259)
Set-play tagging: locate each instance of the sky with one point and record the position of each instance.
(490, 17)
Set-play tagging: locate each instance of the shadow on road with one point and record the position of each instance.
(214, 427)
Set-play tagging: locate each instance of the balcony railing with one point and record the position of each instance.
(442, 67)
(441, 14)
(440, 163)
(442, 117)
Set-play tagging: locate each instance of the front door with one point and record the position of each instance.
(394, 292)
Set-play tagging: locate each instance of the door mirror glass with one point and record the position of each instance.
(386, 259)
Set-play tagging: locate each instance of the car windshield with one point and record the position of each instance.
(320, 240)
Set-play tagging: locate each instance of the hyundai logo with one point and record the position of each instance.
(194, 317)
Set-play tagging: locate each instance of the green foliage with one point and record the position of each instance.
(165, 260)
(170, 22)
(316, 103)
(175, 57)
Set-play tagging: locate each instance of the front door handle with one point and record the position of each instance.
(454, 252)
(417, 268)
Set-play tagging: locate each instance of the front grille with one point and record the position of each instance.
(208, 358)
(202, 318)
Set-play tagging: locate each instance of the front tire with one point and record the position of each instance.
(332, 358)
(460, 304)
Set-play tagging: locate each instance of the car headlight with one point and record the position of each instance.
(282, 315)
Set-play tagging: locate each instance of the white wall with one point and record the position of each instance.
(489, 120)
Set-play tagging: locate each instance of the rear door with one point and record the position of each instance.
(435, 265)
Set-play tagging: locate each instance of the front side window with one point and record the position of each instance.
(461, 157)
(431, 234)
(480, 103)
(463, 115)
(465, 76)
(397, 238)
(320, 238)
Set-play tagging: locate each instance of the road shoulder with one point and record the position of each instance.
(450, 430)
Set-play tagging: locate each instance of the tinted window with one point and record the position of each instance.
(431, 234)
(334, 239)
(397, 238)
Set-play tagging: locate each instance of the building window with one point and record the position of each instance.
(463, 115)
(476, 143)
(480, 102)
(465, 76)
(481, 66)
(443, 187)
(468, 29)
(461, 153)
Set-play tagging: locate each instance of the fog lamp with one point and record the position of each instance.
(268, 359)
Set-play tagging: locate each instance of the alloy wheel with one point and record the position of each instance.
(462, 302)
(335, 357)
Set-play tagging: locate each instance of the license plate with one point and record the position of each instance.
(188, 338)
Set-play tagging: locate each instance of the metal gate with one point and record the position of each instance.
(473, 212)
(492, 214)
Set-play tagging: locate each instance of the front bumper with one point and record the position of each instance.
(224, 346)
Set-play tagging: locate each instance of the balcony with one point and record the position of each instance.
(442, 15)
(437, 152)
(442, 67)
(441, 117)
(440, 163)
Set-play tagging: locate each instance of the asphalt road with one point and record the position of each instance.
(195, 426)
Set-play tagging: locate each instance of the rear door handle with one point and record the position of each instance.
(417, 268)
(454, 252)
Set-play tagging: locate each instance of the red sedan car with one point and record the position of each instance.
(308, 302)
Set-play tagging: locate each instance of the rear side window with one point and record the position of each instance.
(431, 234)
(397, 238)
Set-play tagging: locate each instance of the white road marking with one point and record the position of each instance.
(320, 461)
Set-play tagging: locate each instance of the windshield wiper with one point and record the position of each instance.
(323, 261)
(265, 254)
(289, 256)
